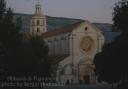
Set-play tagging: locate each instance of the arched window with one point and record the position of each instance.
(38, 22)
(86, 28)
(38, 29)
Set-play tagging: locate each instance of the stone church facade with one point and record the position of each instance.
(71, 47)
(78, 44)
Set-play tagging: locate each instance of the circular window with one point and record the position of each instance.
(87, 43)
(86, 28)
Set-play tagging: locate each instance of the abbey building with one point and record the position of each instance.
(72, 44)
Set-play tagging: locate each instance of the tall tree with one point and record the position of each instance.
(120, 16)
(19, 55)
(10, 37)
(111, 63)
(2, 9)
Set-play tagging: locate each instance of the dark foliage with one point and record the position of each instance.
(20, 56)
(120, 16)
(112, 62)
(40, 51)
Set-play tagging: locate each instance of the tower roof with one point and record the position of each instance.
(62, 30)
(38, 1)
(38, 8)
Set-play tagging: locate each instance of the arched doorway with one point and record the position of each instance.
(86, 72)
(86, 79)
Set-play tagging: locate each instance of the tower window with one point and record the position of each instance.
(38, 29)
(86, 28)
(38, 22)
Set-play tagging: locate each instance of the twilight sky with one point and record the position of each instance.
(92, 10)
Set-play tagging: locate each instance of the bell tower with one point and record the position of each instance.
(38, 8)
(38, 23)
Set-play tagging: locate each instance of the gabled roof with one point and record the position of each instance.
(61, 30)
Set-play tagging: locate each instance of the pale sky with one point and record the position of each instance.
(92, 10)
